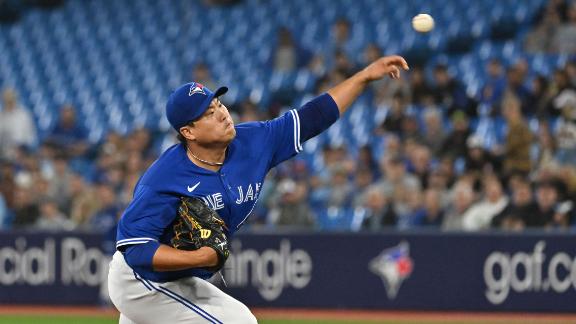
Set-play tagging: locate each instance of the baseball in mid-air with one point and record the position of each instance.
(423, 23)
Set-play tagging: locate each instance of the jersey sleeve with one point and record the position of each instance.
(298, 126)
(284, 135)
(281, 138)
(146, 218)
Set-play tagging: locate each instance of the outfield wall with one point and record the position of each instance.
(421, 271)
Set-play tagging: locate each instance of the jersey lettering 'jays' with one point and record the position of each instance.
(232, 191)
(251, 194)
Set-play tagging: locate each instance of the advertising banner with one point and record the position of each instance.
(411, 271)
(46, 268)
(426, 271)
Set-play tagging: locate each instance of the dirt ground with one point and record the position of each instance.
(329, 314)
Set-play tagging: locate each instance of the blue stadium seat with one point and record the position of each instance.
(98, 54)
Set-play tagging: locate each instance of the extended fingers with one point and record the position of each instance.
(397, 61)
(395, 73)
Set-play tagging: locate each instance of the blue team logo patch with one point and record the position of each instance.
(393, 266)
(196, 88)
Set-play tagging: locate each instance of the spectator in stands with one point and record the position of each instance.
(433, 209)
(395, 175)
(568, 175)
(322, 193)
(455, 144)
(560, 7)
(45, 154)
(341, 37)
(7, 182)
(249, 111)
(340, 190)
(566, 128)
(518, 139)
(106, 217)
(318, 66)
(438, 181)
(513, 222)
(139, 141)
(396, 115)
(27, 173)
(334, 158)
(420, 161)
(570, 70)
(365, 160)
(105, 163)
(82, 202)
(6, 217)
(449, 93)
(384, 92)
(128, 185)
(541, 38)
(69, 135)
(112, 145)
(379, 210)
(538, 96)
(546, 148)
(201, 73)
(547, 196)
(434, 132)
(411, 129)
(564, 41)
(25, 209)
(60, 182)
(447, 170)
(521, 210)
(343, 65)
(51, 218)
(134, 164)
(478, 160)
(516, 89)
(407, 204)
(559, 85)
(422, 93)
(288, 55)
(289, 206)
(393, 147)
(480, 215)
(493, 89)
(17, 127)
(371, 53)
(523, 67)
(115, 177)
(363, 180)
(563, 215)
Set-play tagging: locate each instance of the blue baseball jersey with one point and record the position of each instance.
(232, 191)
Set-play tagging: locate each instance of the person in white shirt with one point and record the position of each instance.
(479, 216)
(17, 127)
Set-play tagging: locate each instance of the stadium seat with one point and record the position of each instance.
(99, 54)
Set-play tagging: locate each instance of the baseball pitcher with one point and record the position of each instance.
(198, 193)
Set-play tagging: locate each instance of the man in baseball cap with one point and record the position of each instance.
(152, 281)
(189, 102)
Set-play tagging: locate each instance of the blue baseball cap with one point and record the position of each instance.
(189, 102)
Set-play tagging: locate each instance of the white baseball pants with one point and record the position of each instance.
(188, 300)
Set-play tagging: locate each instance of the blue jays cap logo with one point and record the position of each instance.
(393, 266)
(189, 102)
(196, 88)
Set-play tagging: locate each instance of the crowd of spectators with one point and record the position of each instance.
(427, 165)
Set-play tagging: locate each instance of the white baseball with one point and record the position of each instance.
(423, 23)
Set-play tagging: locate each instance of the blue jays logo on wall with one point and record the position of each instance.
(393, 266)
(196, 88)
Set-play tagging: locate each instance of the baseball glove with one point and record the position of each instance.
(197, 225)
